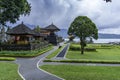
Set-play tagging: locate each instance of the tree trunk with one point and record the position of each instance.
(82, 49)
(82, 46)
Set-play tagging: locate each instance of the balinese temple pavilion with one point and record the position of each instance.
(52, 37)
(24, 38)
(21, 33)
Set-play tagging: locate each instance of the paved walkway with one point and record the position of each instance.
(29, 68)
(63, 52)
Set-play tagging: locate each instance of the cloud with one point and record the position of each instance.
(110, 30)
(62, 13)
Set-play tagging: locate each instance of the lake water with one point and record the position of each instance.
(99, 40)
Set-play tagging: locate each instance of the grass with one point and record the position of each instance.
(76, 72)
(55, 52)
(7, 59)
(105, 53)
(8, 71)
(31, 53)
(100, 54)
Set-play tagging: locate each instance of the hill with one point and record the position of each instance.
(63, 33)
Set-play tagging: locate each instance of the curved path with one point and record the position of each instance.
(29, 68)
(63, 52)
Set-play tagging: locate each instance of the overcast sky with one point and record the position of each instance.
(62, 12)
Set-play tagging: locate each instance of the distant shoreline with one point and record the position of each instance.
(99, 40)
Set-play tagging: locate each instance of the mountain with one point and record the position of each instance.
(109, 36)
(63, 33)
(30, 26)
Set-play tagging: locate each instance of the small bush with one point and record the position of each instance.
(74, 48)
(60, 46)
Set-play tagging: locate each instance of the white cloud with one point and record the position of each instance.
(110, 30)
(62, 12)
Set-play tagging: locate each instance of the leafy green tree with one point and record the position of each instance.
(10, 10)
(71, 37)
(83, 28)
(2, 34)
(37, 28)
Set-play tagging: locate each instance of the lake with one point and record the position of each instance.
(100, 40)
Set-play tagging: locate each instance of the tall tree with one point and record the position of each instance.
(83, 28)
(2, 34)
(108, 0)
(10, 10)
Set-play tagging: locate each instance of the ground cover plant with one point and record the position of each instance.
(30, 53)
(77, 72)
(8, 71)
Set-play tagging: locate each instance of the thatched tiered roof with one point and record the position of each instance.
(38, 34)
(52, 27)
(20, 29)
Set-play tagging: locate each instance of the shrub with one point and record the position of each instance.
(60, 46)
(74, 48)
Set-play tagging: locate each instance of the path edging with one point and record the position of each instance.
(46, 71)
(19, 72)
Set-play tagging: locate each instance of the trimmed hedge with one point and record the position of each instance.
(84, 61)
(73, 48)
(26, 54)
(7, 59)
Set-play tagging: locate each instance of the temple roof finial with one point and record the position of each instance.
(22, 22)
(52, 23)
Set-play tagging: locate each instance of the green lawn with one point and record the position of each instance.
(103, 53)
(72, 72)
(8, 71)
